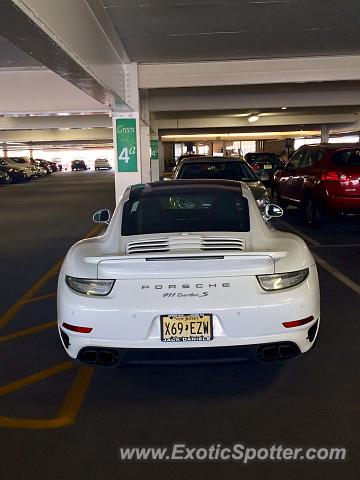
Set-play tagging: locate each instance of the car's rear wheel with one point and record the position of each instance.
(276, 198)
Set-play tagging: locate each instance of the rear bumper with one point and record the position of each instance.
(343, 203)
(112, 357)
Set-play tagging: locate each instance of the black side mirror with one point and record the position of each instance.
(102, 216)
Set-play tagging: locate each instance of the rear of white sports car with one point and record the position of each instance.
(188, 272)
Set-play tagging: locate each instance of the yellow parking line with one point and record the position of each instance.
(13, 310)
(36, 377)
(28, 331)
(69, 409)
(41, 297)
(75, 396)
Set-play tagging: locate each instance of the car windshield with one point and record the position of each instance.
(187, 211)
(350, 158)
(224, 170)
(261, 158)
(18, 160)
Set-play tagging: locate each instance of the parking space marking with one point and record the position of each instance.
(41, 297)
(29, 295)
(337, 274)
(35, 377)
(323, 263)
(69, 409)
(75, 396)
(13, 310)
(27, 331)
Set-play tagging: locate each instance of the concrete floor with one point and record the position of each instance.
(313, 401)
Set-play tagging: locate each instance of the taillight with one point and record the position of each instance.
(298, 323)
(255, 167)
(75, 328)
(330, 176)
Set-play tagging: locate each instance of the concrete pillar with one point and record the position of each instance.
(5, 151)
(324, 133)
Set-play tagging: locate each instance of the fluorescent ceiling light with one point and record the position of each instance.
(253, 118)
(63, 114)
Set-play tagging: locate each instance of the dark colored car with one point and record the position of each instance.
(264, 165)
(320, 178)
(43, 164)
(16, 175)
(222, 168)
(78, 165)
(5, 178)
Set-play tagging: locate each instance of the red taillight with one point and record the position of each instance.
(75, 328)
(255, 167)
(330, 176)
(298, 323)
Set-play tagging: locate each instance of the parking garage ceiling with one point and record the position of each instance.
(207, 30)
(299, 54)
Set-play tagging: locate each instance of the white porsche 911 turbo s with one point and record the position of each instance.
(188, 271)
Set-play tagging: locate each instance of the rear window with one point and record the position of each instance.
(208, 211)
(261, 158)
(349, 157)
(238, 171)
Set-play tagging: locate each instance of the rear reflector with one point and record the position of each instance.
(77, 329)
(298, 323)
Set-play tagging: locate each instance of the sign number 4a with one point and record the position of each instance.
(126, 143)
(125, 154)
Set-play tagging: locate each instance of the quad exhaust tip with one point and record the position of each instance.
(277, 351)
(105, 357)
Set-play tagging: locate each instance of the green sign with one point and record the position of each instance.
(126, 145)
(154, 146)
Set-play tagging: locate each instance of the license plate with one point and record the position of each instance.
(186, 328)
(267, 167)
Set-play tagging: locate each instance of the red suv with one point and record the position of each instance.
(320, 177)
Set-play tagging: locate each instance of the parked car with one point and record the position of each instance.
(78, 165)
(5, 178)
(16, 174)
(44, 165)
(102, 163)
(264, 165)
(224, 168)
(20, 163)
(320, 178)
(188, 268)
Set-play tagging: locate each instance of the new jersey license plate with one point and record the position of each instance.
(186, 328)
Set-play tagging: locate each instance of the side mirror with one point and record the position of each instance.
(273, 211)
(102, 216)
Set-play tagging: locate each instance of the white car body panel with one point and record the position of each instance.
(187, 280)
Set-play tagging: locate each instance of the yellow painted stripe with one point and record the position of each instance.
(41, 297)
(28, 331)
(30, 379)
(68, 411)
(34, 423)
(75, 396)
(13, 310)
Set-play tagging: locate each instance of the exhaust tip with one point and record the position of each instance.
(277, 351)
(105, 357)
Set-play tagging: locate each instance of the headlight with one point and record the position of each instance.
(282, 280)
(89, 286)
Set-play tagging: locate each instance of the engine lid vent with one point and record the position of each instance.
(179, 243)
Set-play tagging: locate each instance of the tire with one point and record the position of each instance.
(277, 199)
(311, 212)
